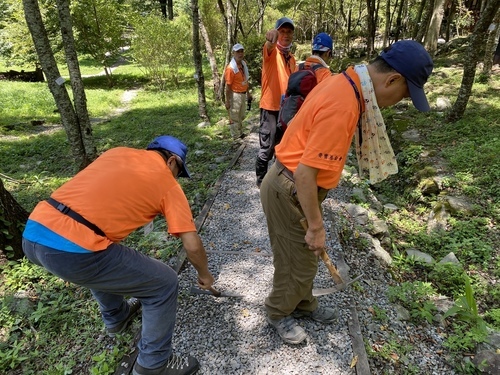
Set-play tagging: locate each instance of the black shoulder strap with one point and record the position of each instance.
(358, 96)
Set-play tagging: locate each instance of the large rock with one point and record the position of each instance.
(418, 255)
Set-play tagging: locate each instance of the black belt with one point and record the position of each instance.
(283, 170)
(288, 174)
(75, 216)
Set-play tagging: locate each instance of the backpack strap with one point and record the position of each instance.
(358, 96)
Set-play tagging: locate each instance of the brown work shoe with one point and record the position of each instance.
(321, 314)
(288, 329)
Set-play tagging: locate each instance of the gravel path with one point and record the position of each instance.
(231, 335)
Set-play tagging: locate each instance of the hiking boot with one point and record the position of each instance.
(321, 314)
(134, 306)
(288, 329)
(260, 170)
(175, 366)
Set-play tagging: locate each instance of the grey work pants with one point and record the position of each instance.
(112, 274)
(295, 266)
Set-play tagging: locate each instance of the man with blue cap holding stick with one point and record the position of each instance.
(309, 162)
(76, 235)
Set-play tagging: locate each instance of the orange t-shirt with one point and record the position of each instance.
(236, 81)
(119, 192)
(275, 73)
(321, 132)
(321, 73)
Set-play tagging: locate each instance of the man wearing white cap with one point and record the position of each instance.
(277, 64)
(237, 90)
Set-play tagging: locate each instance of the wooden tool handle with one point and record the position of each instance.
(326, 259)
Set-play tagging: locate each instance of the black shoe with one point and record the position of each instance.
(134, 306)
(175, 366)
(260, 170)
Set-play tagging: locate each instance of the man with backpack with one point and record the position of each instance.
(309, 161)
(277, 64)
(311, 72)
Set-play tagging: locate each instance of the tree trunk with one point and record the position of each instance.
(475, 52)
(432, 35)
(399, 20)
(211, 59)
(418, 21)
(79, 97)
(452, 5)
(494, 33)
(387, 23)
(170, 9)
(12, 220)
(426, 19)
(370, 37)
(200, 79)
(55, 82)
(163, 8)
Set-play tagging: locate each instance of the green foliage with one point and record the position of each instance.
(493, 318)
(154, 51)
(99, 29)
(464, 338)
(15, 39)
(414, 296)
(465, 308)
(448, 278)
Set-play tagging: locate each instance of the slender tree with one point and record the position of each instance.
(493, 35)
(200, 79)
(55, 82)
(475, 52)
(79, 97)
(371, 27)
(211, 58)
(432, 35)
(12, 219)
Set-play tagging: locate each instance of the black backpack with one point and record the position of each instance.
(299, 86)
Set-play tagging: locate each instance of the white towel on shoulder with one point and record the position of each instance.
(234, 66)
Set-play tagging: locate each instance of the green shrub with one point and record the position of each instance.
(153, 48)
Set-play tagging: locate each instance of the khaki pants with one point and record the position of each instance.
(237, 114)
(295, 266)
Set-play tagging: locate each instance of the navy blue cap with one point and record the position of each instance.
(322, 42)
(283, 21)
(172, 144)
(412, 61)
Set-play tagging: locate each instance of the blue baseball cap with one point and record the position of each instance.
(412, 61)
(172, 144)
(283, 21)
(322, 42)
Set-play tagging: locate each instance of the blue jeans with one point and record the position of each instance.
(113, 274)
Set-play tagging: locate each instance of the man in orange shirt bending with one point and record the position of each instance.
(309, 162)
(277, 65)
(76, 235)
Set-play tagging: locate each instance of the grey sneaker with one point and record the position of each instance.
(321, 314)
(288, 329)
(175, 366)
(134, 306)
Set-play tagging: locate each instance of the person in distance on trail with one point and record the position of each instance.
(237, 91)
(277, 65)
(309, 162)
(76, 235)
(322, 52)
